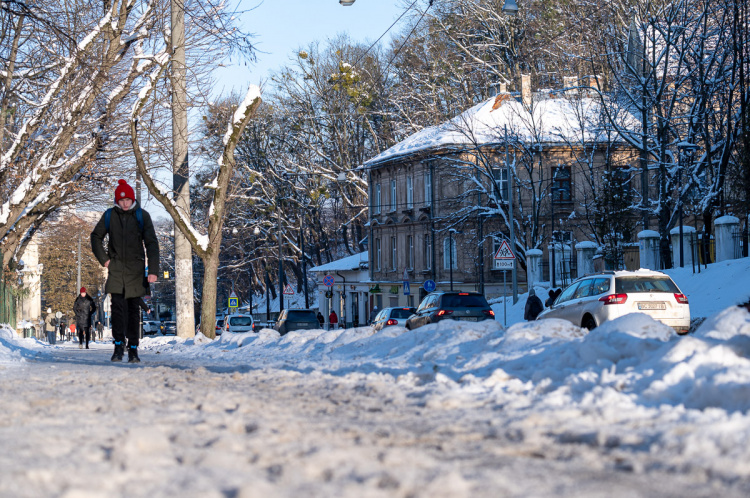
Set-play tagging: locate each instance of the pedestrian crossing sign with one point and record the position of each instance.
(288, 291)
(504, 252)
(234, 301)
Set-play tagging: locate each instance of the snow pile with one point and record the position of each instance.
(9, 346)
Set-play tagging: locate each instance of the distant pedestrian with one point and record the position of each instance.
(100, 330)
(61, 329)
(130, 229)
(533, 306)
(83, 307)
(333, 319)
(71, 331)
(321, 319)
(50, 327)
(550, 299)
(373, 314)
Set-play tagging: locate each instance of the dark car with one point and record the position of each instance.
(296, 320)
(392, 316)
(450, 305)
(170, 328)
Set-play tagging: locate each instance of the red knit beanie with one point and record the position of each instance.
(83, 289)
(124, 191)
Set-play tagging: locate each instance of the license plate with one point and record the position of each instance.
(652, 306)
(469, 318)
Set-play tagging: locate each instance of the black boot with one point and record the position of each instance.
(119, 351)
(133, 354)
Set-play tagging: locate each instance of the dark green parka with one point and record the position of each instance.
(127, 264)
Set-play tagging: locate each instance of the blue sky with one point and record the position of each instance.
(283, 26)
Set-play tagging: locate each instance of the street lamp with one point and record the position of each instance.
(509, 7)
(682, 147)
(347, 3)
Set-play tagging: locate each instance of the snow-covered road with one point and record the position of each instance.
(76, 425)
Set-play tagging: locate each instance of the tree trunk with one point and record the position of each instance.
(208, 301)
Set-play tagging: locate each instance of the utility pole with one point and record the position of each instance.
(510, 213)
(78, 281)
(183, 257)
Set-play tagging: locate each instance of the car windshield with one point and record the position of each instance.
(402, 313)
(219, 323)
(241, 321)
(624, 285)
(470, 301)
(301, 316)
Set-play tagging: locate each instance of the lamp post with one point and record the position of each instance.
(347, 3)
(451, 245)
(681, 148)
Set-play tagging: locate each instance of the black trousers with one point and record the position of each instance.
(125, 319)
(83, 331)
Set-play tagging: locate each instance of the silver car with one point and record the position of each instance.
(595, 299)
(392, 316)
(239, 323)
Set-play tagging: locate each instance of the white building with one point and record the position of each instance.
(349, 291)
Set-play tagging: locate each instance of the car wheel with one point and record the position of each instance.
(588, 322)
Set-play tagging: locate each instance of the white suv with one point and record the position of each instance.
(593, 299)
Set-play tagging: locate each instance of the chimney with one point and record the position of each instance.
(526, 90)
(568, 83)
(502, 88)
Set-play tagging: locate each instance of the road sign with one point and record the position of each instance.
(58, 315)
(504, 252)
(234, 301)
(407, 288)
(328, 281)
(429, 285)
(288, 291)
(505, 264)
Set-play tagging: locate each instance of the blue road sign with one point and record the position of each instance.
(328, 280)
(234, 302)
(429, 285)
(407, 289)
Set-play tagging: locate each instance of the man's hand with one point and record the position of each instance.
(106, 265)
(151, 279)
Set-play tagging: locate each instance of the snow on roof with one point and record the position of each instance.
(552, 121)
(344, 264)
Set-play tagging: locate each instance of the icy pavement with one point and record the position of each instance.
(540, 409)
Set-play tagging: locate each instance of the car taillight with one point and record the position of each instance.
(614, 299)
(391, 321)
(444, 312)
(681, 298)
(489, 312)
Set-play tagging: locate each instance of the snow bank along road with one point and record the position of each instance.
(540, 409)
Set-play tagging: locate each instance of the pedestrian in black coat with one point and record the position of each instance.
(130, 230)
(83, 308)
(533, 306)
(551, 298)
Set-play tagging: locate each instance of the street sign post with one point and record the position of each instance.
(288, 291)
(234, 301)
(506, 260)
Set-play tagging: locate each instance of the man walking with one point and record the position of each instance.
(130, 229)
(83, 308)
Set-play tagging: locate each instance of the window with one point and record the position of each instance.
(409, 193)
(376, 200)
(584, 288)
(377, 255)
(393, 195)
(601, 285)
(427, 252)
(500, 176)
(449, 253)
(394, 260)
(428, 188)
(567, 294)
(561, 191)
(410, 252)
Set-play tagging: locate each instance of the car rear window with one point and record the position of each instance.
(302, 316)
(470, 301)
(401, 313)
(240, 321)
(219, 323)
(624, 285)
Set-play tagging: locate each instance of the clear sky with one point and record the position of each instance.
(283, 26)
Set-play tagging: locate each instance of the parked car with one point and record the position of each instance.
(239, 323)
(595, 299)
(170, 328)
(296, 320)
(392, 316)
(219, 325)
(151, 327)
(450, 305)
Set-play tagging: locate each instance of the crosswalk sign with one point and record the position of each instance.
(234, 301)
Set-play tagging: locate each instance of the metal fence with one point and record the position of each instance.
(739, 240)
